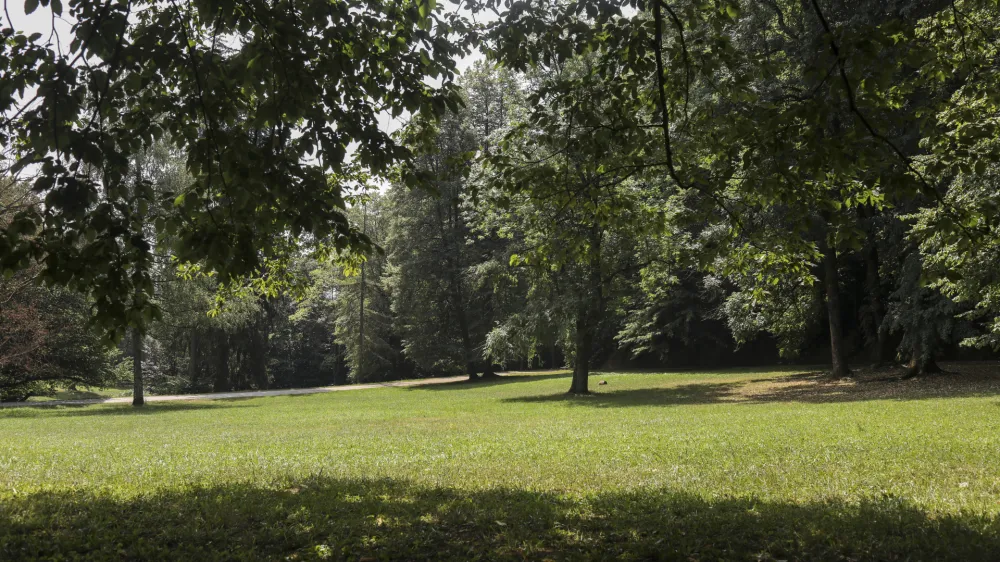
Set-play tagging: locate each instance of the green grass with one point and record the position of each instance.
(704, 466)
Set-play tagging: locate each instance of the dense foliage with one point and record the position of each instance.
(661, 182)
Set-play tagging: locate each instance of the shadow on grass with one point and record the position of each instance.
(394, 520)
(965, 381)
(150, 409)
(492, 381)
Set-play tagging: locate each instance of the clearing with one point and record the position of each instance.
(743, 465)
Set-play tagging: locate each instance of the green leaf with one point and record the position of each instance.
(30, 6)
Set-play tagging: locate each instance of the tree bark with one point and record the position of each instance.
(361, 328)
(873, 286)
(921, 364)
(361, 304)
(489, 372)
(463, 326)
(259, 347)
(591, 310)
(222, 364)
(193, 370)
(138, 396)
(838, 353)
(584, 350)
(453, 261)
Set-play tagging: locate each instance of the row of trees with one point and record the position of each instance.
(656, 182)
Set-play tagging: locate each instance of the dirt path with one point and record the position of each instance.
(229, 395)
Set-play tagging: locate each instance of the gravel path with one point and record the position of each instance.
(230, 395)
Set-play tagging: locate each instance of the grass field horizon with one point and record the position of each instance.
(752, 464)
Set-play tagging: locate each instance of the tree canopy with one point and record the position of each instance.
(618, 180)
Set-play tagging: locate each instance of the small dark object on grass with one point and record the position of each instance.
(602, 383)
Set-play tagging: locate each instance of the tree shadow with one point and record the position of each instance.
(150, 409)
(492, 381)
(962, 380)
(325, 518)
(685, 394)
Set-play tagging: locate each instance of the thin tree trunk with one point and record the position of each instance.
(138, 396)
(259, 347)
(193, 370)
(832, 282)
(222, 364)
(361, 308)
(453, 262)
(873, 286)
(463, 326)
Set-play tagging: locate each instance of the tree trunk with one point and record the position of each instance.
(453, 261)
(591, 311)
(584, 349)
(921, 366)
(920, 363)
(259, 347)
(361, 304)
(222, 364)
(361, 328)
(138, 396)
(463, 326)
(873, 286)
(489, 372)
(193, 370)
(467, 351)
(839, 367)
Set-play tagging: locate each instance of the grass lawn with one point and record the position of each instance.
(743, 465)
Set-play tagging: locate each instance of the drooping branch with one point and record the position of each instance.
(852, 104)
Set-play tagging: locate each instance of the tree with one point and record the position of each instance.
(801, 111)
(263, 99)
(45, 340)
(430, 254)
(577, 201)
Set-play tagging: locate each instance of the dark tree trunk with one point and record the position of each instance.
(921, 366)
(838, 353)
(873, 288)
(921, 363)
(591, 310)
(451, 231)
(361, 328)
(873, 282)
(489, 372)
(222, 364)
(463, 326)
(259, 348)
(193, 367)
(584, 350)
(138, 392)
